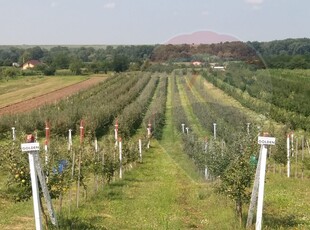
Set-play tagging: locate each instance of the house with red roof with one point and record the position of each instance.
(31, 64)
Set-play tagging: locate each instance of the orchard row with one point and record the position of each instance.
(279, 95)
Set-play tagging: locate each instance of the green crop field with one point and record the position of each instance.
(191, 178)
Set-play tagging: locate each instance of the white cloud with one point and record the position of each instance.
(54, 4)
(110, 5)
(256, 4)
(205, 13)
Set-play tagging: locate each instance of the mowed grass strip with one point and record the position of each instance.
(21, 89)
(14, 215)
(157, 194)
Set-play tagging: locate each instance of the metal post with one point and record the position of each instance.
(187, 129)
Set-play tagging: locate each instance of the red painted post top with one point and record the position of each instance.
(116, 124)
(82, 131)
(30, 138)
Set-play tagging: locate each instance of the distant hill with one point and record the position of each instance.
(201, 37)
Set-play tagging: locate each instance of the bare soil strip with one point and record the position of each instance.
(50, 97)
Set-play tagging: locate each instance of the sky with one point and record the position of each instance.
(132, 22)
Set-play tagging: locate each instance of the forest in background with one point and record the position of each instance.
(289, 53)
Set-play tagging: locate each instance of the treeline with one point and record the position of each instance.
(289, 53)
(87, 59)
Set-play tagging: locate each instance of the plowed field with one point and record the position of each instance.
(50, 97)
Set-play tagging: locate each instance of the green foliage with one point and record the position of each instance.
(156, 111)
(278, 94)
(132, 115)
(46, 70)
(9, 72)
(76, 66)
(120, 63)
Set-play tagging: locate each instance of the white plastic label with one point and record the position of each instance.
(28, 147)
(266, 140)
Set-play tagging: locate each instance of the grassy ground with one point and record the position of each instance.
(14, 215)
(20, 89)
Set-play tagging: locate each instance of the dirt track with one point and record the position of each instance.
(50, 97)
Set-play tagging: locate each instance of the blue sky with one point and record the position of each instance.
(148, 21)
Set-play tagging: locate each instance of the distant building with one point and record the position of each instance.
(15, 64)
(196, 63)
(222, 68)
(31, 64)
(215, 66)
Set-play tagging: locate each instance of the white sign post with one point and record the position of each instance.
(140, 149)
(116, 133)
(214, 130)
(70, 140)
(263, 141)
(248, 128)
(13, 133)
(120, 159)
(183, 128)
(288, 155)
(33, 149)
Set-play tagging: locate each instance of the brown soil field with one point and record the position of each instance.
(50, 97)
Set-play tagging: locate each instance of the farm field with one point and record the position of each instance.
(40, 90)
(167, 188)
(16, 90)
